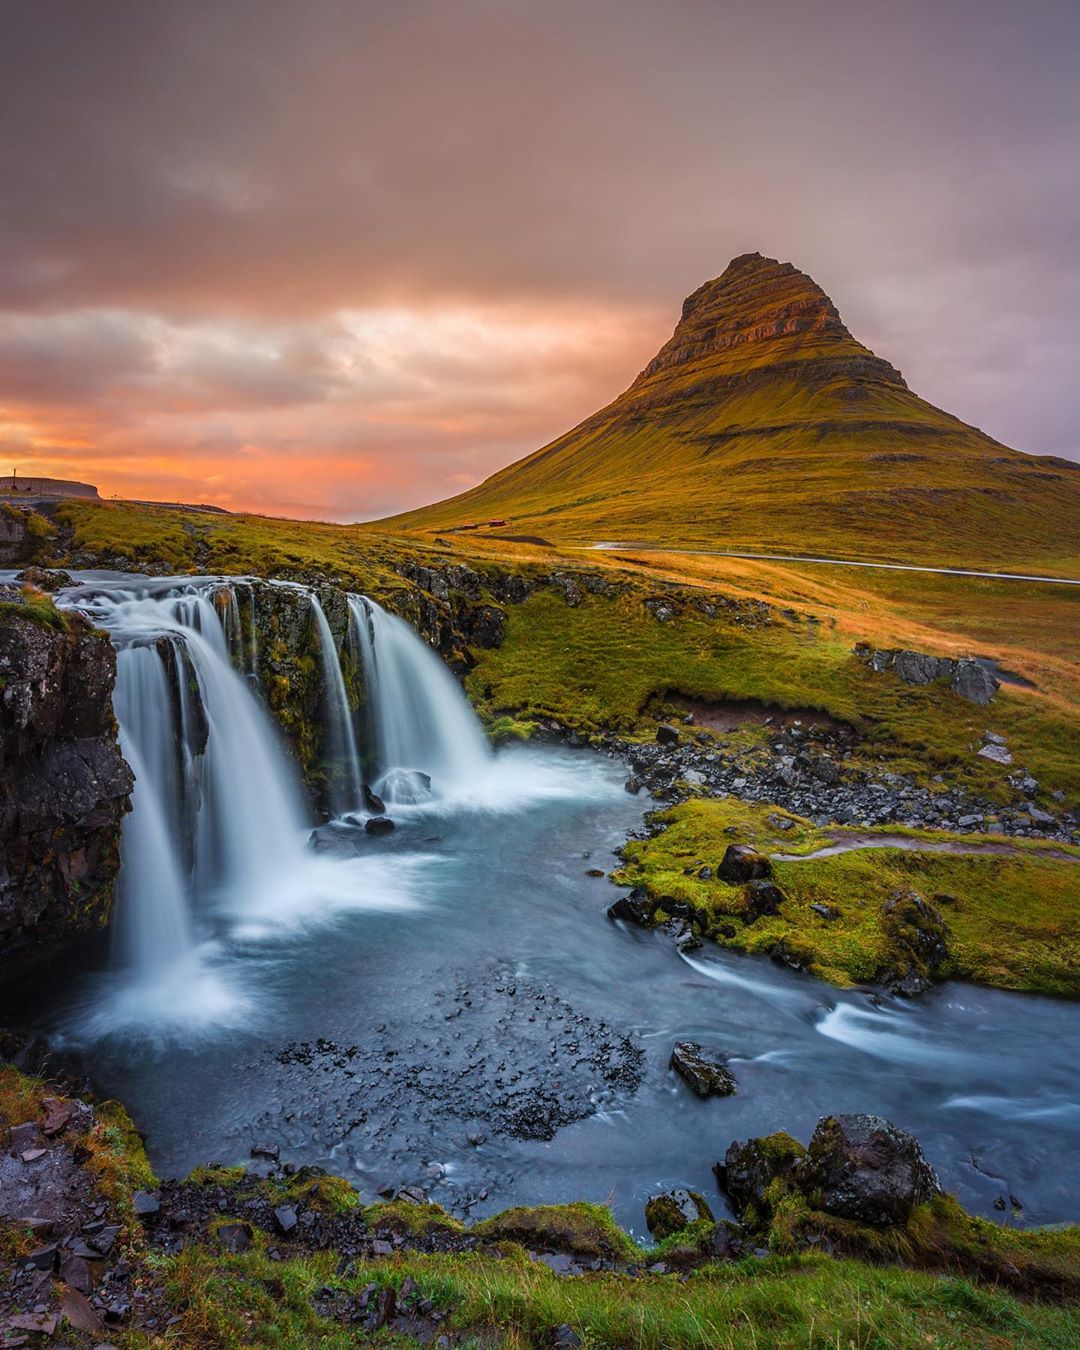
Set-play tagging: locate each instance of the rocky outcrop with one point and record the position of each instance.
(865, 1168)
(64, 785)
(968, 678)
(857, 1167)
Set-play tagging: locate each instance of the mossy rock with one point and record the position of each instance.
(578, 1230)
(673, 1211)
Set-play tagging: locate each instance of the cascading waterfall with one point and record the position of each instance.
(217, 817)
(342, 763)
(419, 721)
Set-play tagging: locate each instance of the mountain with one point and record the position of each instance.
(764, 426)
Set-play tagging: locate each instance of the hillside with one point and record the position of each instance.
(764, 425)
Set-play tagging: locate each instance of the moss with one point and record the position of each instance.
(1010, 921)
(581, 1229)
(401, 1216)
(217, 1175)
(36, 607)
(118, 1158)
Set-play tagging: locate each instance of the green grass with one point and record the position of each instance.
(1013, 922)
(36, 607)
(805, 1302)
(596, 667)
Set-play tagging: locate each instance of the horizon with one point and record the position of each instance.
(374, 293)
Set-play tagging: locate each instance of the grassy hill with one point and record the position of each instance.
(763, 425)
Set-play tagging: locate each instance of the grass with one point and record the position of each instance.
(805, 1302)
(1013, 922)
(598, 665)
(36, 607)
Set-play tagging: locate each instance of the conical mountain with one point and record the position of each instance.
(764, 426)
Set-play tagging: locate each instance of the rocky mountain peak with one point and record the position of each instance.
(754, 300)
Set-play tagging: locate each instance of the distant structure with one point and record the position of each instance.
(12, 485)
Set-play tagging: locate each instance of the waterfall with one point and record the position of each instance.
(216, 812)
(342, 759)
(419, 721)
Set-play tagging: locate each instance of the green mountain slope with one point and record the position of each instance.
(763, 425)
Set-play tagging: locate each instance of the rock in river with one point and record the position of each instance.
(708, 1077)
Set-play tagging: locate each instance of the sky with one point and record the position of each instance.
(338, 258)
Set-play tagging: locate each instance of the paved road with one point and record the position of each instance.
(840, 562)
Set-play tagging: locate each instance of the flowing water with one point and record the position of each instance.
(448, 1004)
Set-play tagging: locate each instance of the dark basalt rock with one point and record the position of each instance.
(636, 907)
(666, 735)
(373, 802)
(862, 1167)
(379, 825)
(971, 680)
(762, 897)
(672, 1211)
(968, 678)
(750, 1168)
(44, 579)
(236, 1238)
(741, 863)
(708, 1077)
(64, 786)
(725, 1242)
(918, 934)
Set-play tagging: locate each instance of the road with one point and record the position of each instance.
(839, 562)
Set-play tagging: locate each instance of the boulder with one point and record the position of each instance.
(45, 579)
(236, 1238)
(917, 933)
(725, 1242)
(865, 1168)
(919, 668)
(672, 1211)
(378, 825)
(762, 897)
(636, 907)
(373, 802)
(971, 680)
(708, 1077)
(667, 735)
(749, 1170)
(741, 863)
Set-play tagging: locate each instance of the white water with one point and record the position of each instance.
(216, 844)
(419, 721)
(343, 768)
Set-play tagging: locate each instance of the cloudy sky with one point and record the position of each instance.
(335, 258)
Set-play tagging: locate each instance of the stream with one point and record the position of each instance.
(447, 1004)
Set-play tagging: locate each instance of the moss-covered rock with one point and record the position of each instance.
(673, 1211)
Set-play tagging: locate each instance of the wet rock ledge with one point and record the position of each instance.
(64, 785)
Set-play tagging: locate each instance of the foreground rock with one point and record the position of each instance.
(858, 1167)
(867, 1169)
(64, 786)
